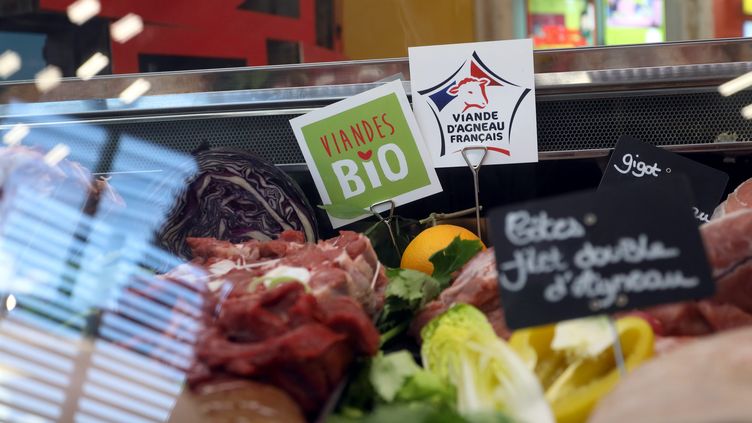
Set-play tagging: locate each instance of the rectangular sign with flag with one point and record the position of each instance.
(476, 94)
(364, 150)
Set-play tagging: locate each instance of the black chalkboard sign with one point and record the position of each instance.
(636, 161)
(599, 252)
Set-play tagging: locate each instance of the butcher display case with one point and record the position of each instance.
(90, 330)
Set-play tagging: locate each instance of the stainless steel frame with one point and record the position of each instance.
(581, 74)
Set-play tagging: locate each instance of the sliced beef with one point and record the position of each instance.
(476, 284)
(205, 248)
(706, 381)
(285, 336)
(299, 337)
(344, 265)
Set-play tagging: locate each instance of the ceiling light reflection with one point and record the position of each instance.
(10, 302)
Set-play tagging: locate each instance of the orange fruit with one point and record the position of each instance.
(431, 240)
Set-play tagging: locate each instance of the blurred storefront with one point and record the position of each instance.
(195, 34)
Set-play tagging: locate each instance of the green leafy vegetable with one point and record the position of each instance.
(344, 210)
(359, 397)
(389, 373)
(452, 258)
(393, 378)
(425, 386)
(398, 376)
(417, 412)
(407, 292)
(404, 231)
(410, 290)
(460, 346)
(414, 287)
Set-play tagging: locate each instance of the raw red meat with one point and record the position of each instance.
(300, 337)
(287, 337)
(477, 284)
(681, 319)
(344, 265)
(740, 199)
(724, 316)
(728, 243)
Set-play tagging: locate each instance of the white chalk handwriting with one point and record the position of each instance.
(637, 167)
(522, 228)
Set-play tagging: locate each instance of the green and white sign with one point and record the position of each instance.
(364, 150)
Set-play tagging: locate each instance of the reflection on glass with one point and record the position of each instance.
(635, 22)
(560, 24)
(88, 330)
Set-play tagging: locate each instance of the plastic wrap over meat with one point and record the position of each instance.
(287, 313)
(24, 169)
(236, 196)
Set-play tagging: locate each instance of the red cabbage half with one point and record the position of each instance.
(236, 196)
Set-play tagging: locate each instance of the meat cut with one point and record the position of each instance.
(476, 284)
(706, 381)
(286, 313)
(344, 265)
(728, 243)
(740, 199)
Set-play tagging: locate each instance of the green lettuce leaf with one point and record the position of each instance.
(461, 347)
(419, 412)
(452, 258)
(396, 377)
(407, 292)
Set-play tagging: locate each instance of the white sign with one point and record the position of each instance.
(476, 94)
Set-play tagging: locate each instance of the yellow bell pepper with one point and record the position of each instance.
(574, 383)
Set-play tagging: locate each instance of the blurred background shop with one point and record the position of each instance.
(199, 34)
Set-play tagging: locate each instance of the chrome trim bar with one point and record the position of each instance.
(563, 71)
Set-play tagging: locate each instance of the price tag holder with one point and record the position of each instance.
(599, 252)
(636, 161)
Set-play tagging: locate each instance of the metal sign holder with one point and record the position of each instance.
(618, 350)
(591, 219)
(475, 168)
(386, 220)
